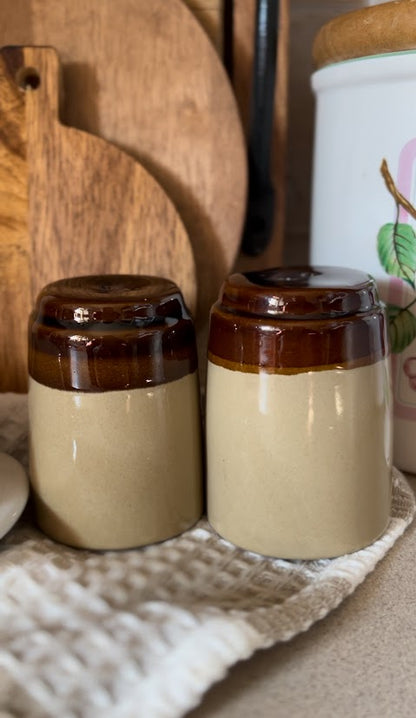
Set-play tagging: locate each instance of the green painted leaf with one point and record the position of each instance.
(396, 246)
(402, 327)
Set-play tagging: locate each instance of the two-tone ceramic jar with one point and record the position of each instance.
(115, 454)
(299, 412)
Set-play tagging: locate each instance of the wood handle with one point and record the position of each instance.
(41, 64)
(35, 69)
(260, 209)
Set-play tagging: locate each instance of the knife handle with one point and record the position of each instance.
(260, 205)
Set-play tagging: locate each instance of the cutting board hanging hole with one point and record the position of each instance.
(28, 78)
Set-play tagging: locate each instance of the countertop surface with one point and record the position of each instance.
(359, 661)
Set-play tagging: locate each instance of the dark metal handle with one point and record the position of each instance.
(260, 207)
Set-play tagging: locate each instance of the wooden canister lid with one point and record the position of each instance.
(375, 30)
(289, 320)
(110, 332)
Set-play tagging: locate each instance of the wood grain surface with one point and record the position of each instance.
(145, 76)
(91, 208)
(15, 299)
(209, 14)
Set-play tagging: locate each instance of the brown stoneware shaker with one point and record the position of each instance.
(299, 412)
(115, 453)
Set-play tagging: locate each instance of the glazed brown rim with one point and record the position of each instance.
(375, 30)
(291, 371)
(291, 347)
(299, 293)
(110, 332)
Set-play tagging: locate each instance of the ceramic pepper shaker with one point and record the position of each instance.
(299, 412)
(115, 458)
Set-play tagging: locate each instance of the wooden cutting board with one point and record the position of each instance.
(144, 75)
(70, 203)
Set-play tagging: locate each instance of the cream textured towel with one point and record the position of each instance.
(143, 633)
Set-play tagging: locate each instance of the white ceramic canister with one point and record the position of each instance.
(364, 176)
(298, 413)
(115, 452)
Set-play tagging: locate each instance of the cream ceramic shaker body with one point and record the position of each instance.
(364, 177)
(115, 457)
(299, 413)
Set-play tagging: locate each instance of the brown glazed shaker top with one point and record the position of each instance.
(376, 30)
(110, 332)
(296, 319)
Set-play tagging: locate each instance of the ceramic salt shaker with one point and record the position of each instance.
(115, 457)
(299, 412)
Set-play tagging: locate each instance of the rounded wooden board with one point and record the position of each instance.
(145, 76)
(70, 203)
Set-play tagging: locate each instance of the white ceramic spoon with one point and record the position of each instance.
(14, 491)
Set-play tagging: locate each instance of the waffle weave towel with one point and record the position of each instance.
(143, 633)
